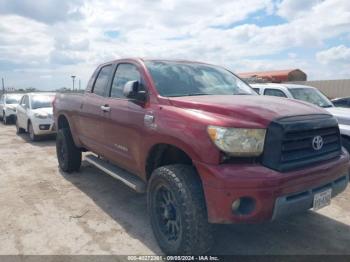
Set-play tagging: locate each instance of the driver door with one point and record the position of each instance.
(124, 122)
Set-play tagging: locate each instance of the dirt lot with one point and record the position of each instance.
(44, 211)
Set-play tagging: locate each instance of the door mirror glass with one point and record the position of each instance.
(132, 90)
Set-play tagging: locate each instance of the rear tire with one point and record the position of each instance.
(33, 137)
(346, 143)
(178, 211)
(19, 130)
(68, 155)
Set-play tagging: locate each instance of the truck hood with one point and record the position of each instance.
(251, 108)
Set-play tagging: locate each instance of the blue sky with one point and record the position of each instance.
(44, 42)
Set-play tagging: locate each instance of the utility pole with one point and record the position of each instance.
(3, 85)
(79, 84)
(73, 78)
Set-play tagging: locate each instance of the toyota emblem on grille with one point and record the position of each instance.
(317, 142)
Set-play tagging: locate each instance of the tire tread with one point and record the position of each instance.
(199, 233)
(73, 162)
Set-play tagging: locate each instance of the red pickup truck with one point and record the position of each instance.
(203, 145)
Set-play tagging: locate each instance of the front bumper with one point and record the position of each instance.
(301, 201)
(270, 189)
(10, 114)
(44, 126)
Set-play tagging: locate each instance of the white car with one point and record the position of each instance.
(34, 115)
(312, 95)
(8, 104)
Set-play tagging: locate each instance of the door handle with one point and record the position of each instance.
(105, 108)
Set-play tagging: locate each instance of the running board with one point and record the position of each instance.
(127, 178)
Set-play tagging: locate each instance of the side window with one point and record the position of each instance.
(26, 102)
(124, 73)
(22, 103)
(101, 82)
(274, 92)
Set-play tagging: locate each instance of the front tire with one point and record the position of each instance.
(33, 137)
(68, 155)
(178, 211)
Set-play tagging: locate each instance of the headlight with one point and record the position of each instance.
(238, 141)
(40, 116)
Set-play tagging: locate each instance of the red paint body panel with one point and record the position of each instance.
(122, 137)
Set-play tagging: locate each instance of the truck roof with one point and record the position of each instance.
(144, 59)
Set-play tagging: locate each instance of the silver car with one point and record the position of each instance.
(8, 104)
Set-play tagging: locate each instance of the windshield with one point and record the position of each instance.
(310, 95)
(13, 99)
(181, 79)
(42, 101)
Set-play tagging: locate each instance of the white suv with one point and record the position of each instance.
(313, 96)
(8, 103)
(34, 115)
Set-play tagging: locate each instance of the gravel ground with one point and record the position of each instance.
(44, 211)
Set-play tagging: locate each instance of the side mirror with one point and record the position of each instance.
(132, 91)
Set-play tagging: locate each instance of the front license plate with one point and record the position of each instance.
(322, 199)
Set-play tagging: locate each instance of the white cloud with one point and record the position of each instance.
(60, 38)
(47, 11)
(24, 41)
(338, 55)
(291, 9)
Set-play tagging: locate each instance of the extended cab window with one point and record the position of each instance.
(101, 82)
(274, 92)
(124, 73)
